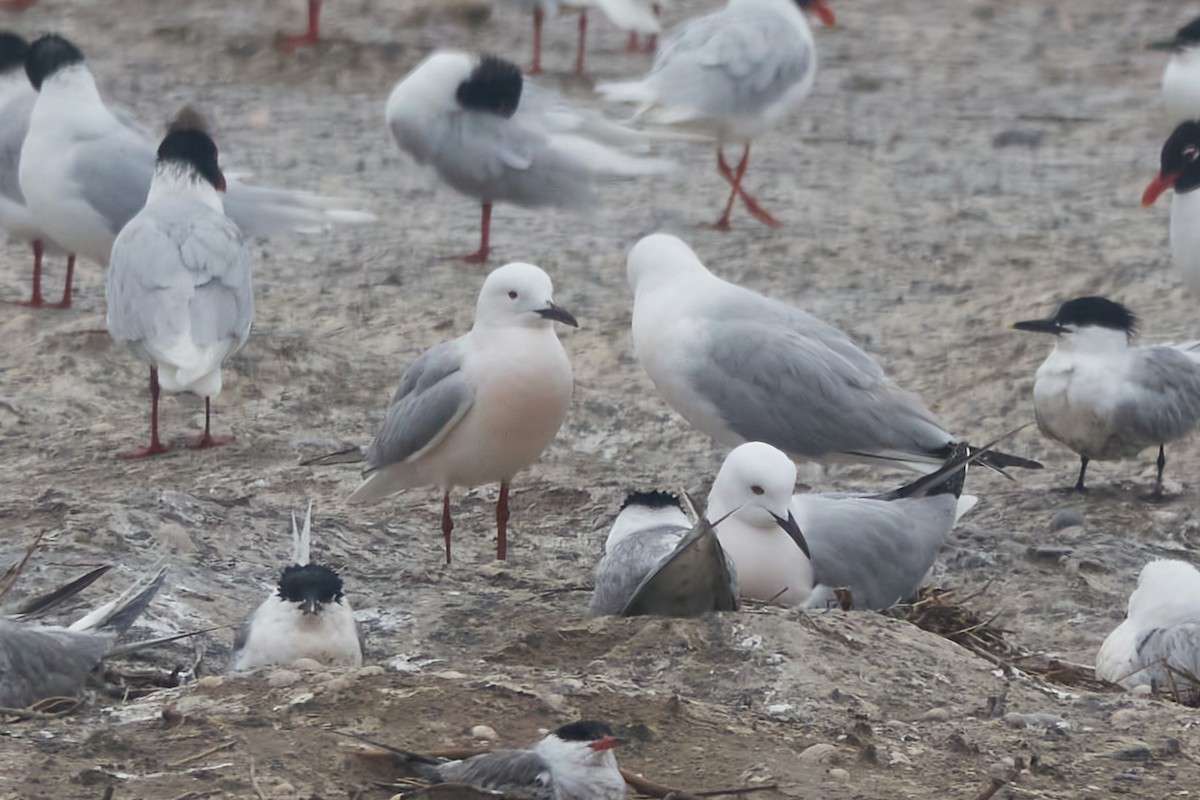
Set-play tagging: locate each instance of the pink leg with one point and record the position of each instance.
(652, 39)
(539, 16)
(734, 177)
(293, 41)
(722, 223)
(17, 5)
(582, 41)
(632, 46)
(36, 300)
(485, 227)
(502, 522)
(447, 524)
(65, 302)
(206, 439)
(155, 447)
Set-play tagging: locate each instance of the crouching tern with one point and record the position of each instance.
(497, 137)
(742, 367)
(479, 408)
(179, 288)
(1158, 644)
(307, 615)
(38, 661)
(878, 546)
(573, 762)
(657, 562)
(1106, 399)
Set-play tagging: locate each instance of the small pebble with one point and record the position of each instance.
(102, 427)
(822, 753)
(1124, 718)
(282, 678)
(340, 683)
(1067, 518)
(484, 733)
(938, 714)
(374, 669)
(1003, 769)
(839, 774)
(308, 664)
(210, 681)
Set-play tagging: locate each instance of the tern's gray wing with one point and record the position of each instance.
(491, 157)
(114, 174)
(14, 124)
(521, 771)
(1170, 657)
(180, 268)
(733, 62)
(37, 662)
(878, 549)
(694, 579)
(432, 397)
(626, 565)
(781, 376)
(1164, 399)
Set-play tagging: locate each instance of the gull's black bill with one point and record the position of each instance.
(793, 530)
(558, 314)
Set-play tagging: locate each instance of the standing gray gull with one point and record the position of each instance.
(496, 137)
(179, 289)
(742, 367)
(305, 616)
(635, 16)
(1180, 170)
(1158, 644)
(479, 408)
(85, 174)
(657, 562)
(1106, 399)
(733, 74)
(17, 98)
(878, 546)
(572, 762)
(1181, 76)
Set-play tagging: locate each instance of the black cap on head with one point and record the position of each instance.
(187, 142)
(12, 51)
(1188, 35)
(494, 87)
(47, 56)
(1181, 156)
(1098, 311)
(586, 730)
(654, 499)
(298, 584)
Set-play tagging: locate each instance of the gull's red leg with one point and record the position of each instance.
(539, 17)
(502, 522)
(155, 447)
(447, 524)
(751, 204)
(294, 41)
(632, 45)
(17, 5)
(36, 300)
(65, 302)
(582, 40)
(722, 223)
(206, 439)
(485, 228)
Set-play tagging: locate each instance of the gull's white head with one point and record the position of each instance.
(1087, 324)
(755, 485)
(661, 259)
(1168, 591)
(519, 295)
(452, 80)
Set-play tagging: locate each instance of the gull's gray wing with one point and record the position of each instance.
(1163, 403)
(491, 157)
(432, 397)
(180, 267)
(781, 376)
(736, 61)
(37, 662)
(694, 579)
(625, 566)
(114, 173)
(521, 771)
(1169, 658)
(879, 549)
(14, 124)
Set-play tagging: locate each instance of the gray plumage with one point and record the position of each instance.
(14, 124)
(1164, 403)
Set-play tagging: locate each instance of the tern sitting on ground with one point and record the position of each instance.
(496, 137)
(305, 616)
(742, 368)
(878, 546)
(733, 74)
(573, 762)
(1158, 644)
(656, 562)
(479, 408)
(179, 290)
(1106, 399)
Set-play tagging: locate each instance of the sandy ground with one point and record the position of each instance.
(961, 164)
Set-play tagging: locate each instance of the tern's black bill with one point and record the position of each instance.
(793, 530)
(558, 314)
(1170, 45)
(1039, 326)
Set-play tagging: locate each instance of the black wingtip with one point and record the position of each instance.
(651, 499)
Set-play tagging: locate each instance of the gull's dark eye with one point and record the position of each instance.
(512, 294)
(756, 489)
(1190, 153)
